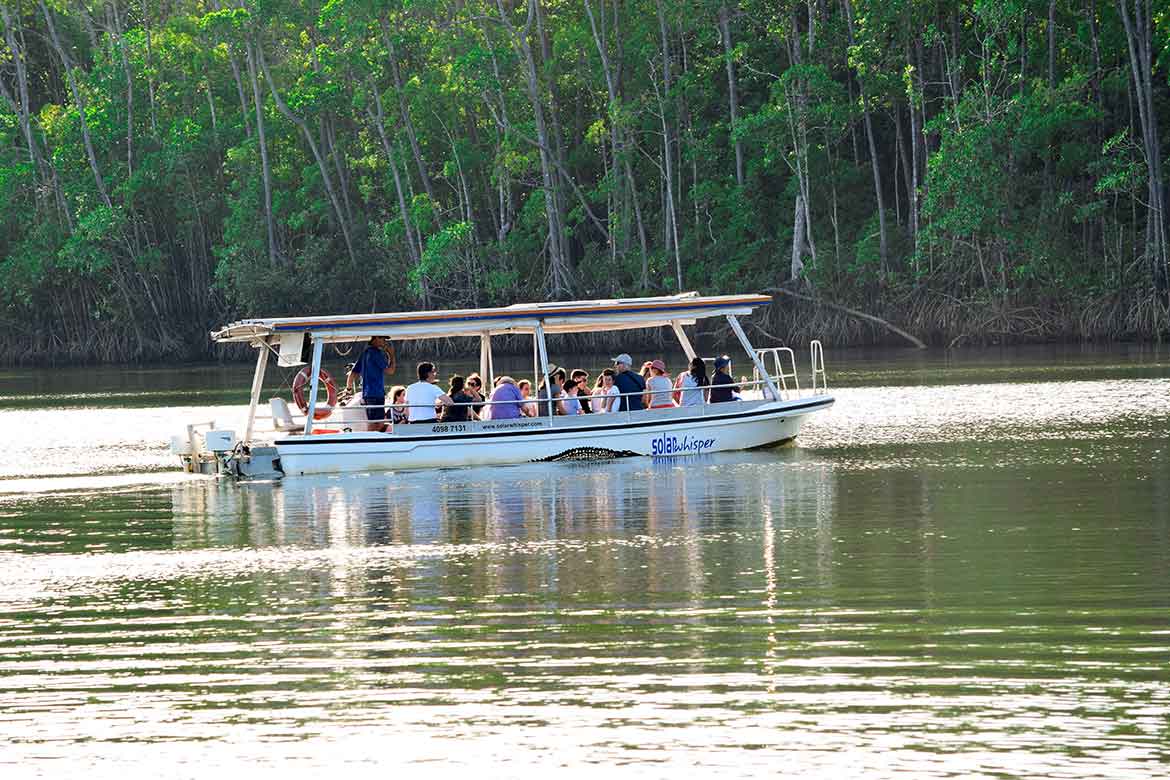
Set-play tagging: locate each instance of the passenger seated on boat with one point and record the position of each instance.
(551, 389)
(474, 388)
(723, 388)
(424, 396)
(507, 400)
(581, 377)
(571, 403)
(660, 389)
(691, 384)
(397, 408)
(526, 393)
(460, 409)
(604, 392)
(627, 381)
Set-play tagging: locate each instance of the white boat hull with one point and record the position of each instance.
(676, 432)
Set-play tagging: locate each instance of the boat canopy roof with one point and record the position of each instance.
(553, 317)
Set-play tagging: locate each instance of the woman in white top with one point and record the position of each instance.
(659, 388)
(692, 384)
(527, 409)
(604, 394)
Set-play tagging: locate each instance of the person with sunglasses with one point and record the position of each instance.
(473, 386)
(580, 377)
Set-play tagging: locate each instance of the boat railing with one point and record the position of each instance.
(783, 372)
(752, 391)
(820, 383)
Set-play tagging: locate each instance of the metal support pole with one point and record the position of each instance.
(485, 361)
(682, 339)
(314, 383)
(539, 332)
(257, 385)
(483, 348)
(490, 377)
(751, 351)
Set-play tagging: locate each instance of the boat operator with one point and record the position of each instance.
(376, 363)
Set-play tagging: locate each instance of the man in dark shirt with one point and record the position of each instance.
(626, 381)
(722, 387)
(375, 364)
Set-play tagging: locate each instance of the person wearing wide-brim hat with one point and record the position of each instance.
(627, 381)
(659, 388)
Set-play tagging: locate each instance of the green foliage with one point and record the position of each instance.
(1025, 179)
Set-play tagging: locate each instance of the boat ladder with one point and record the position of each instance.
(820, 384)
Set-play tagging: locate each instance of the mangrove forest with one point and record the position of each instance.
(965, 171)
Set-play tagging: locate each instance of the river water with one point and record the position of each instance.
(962, 569)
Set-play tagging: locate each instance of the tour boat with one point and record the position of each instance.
(332, 438)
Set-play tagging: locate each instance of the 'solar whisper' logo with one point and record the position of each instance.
(672, 445)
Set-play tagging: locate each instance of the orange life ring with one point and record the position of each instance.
(301, 384)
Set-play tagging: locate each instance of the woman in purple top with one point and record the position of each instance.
(506, 390)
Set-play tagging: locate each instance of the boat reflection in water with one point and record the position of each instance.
(623, 525)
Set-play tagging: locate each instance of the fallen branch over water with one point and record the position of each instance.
(853, 313)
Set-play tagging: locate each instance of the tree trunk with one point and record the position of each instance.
(265, 169)
(732, 94)
(559, 281)
(1051, 44)
(873, 156)
(120, 42)
(907, 163)
(326, 179)
(238, 80)
(797, 265)
(621, 165)
(671, 232)
(404, 110)
(378, 120)
(67, 64)
(1095, 79)
(149, 59)
(19, 102)
(915, 132)
(557, 148)
(1138, 34)
(796, 95)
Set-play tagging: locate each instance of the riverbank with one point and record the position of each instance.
(930, 319)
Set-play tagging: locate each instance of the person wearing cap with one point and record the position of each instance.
(551, 388)
(376, 362)
(659, 388)
(626, 381)
(723, 387)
